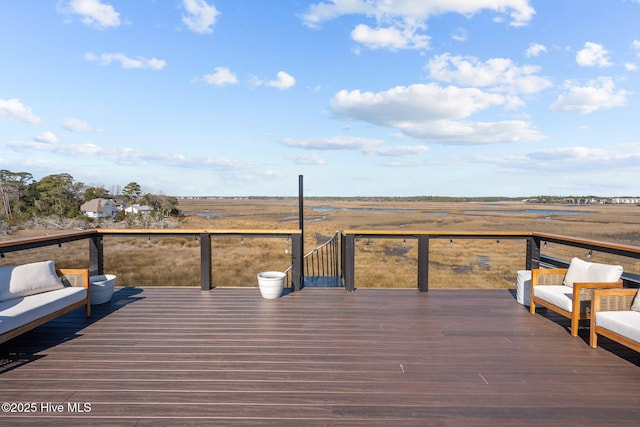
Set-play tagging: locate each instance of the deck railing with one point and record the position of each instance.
(325, 259)
(540, 250)
(529, 250)
(95, 239)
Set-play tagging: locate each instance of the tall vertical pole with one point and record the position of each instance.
(301, 223)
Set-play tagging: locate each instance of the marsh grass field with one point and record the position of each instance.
(462, 263)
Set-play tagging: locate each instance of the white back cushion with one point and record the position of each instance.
(28, 279)
(591, 272)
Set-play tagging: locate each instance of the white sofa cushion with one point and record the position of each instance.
(558, 295)
(523, 286)
(636, 302)
(22, 310)
(580, 271)
(28, 279)
(625, 323)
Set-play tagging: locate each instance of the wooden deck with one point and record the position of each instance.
(181, 356)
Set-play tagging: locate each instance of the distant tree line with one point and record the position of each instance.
(22, 197)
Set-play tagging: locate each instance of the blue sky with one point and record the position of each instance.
(362, 97)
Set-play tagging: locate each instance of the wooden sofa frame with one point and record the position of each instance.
(611, 300)
(70, 277)
(581, 299)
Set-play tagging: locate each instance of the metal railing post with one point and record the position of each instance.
(423, 263)
(533, 253)
(296, 262)
(349, 256)
(96, 255)
(206, 274)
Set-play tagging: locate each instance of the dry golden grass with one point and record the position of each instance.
(379, 262)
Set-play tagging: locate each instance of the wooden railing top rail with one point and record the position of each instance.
(192, 231)
(557, 238)
(587, 243)
(63, 237)
(440, 233)
(70, 236)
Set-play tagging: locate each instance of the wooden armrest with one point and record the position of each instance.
(74, 276)
(77, 277)
(547, 276)
(619, 299)
(598, 285)
(583, 293)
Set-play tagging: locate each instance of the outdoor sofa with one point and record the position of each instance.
(615, 314)
(568, 292)
(32, 294)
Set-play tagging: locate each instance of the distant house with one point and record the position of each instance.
(99, 208)
(138, 209)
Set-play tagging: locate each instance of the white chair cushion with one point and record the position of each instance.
(22, 310)
(523, 286)
(580, 271)
(625, 323)
(558, 295)
(28, 279)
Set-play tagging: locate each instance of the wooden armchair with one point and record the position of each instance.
(614, 315)
(568, 292)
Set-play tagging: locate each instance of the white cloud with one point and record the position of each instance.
(630, 66)
(307, 159)
(334, 143)
(126, 62)
(602, 159)
(284, 81)
(401, 150)
(460, 35)
(593, 55)
(636, 45)
(71, 150)
(200, 16)
(93, 13)
(47, 138)
(433, 113)
(418, 102)
(392, 38)
(499, 74)
(568, 153)
(599, 94)
(397, 21)
(221, 77)
(535, 49)
(127, 155)
(519, 10)
(14, 109)
(452, 132)
(76, 125)
(374, 147)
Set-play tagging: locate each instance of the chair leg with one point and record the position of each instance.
(593, 337)
(575, 322)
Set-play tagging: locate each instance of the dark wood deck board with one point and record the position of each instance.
(181, 356)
